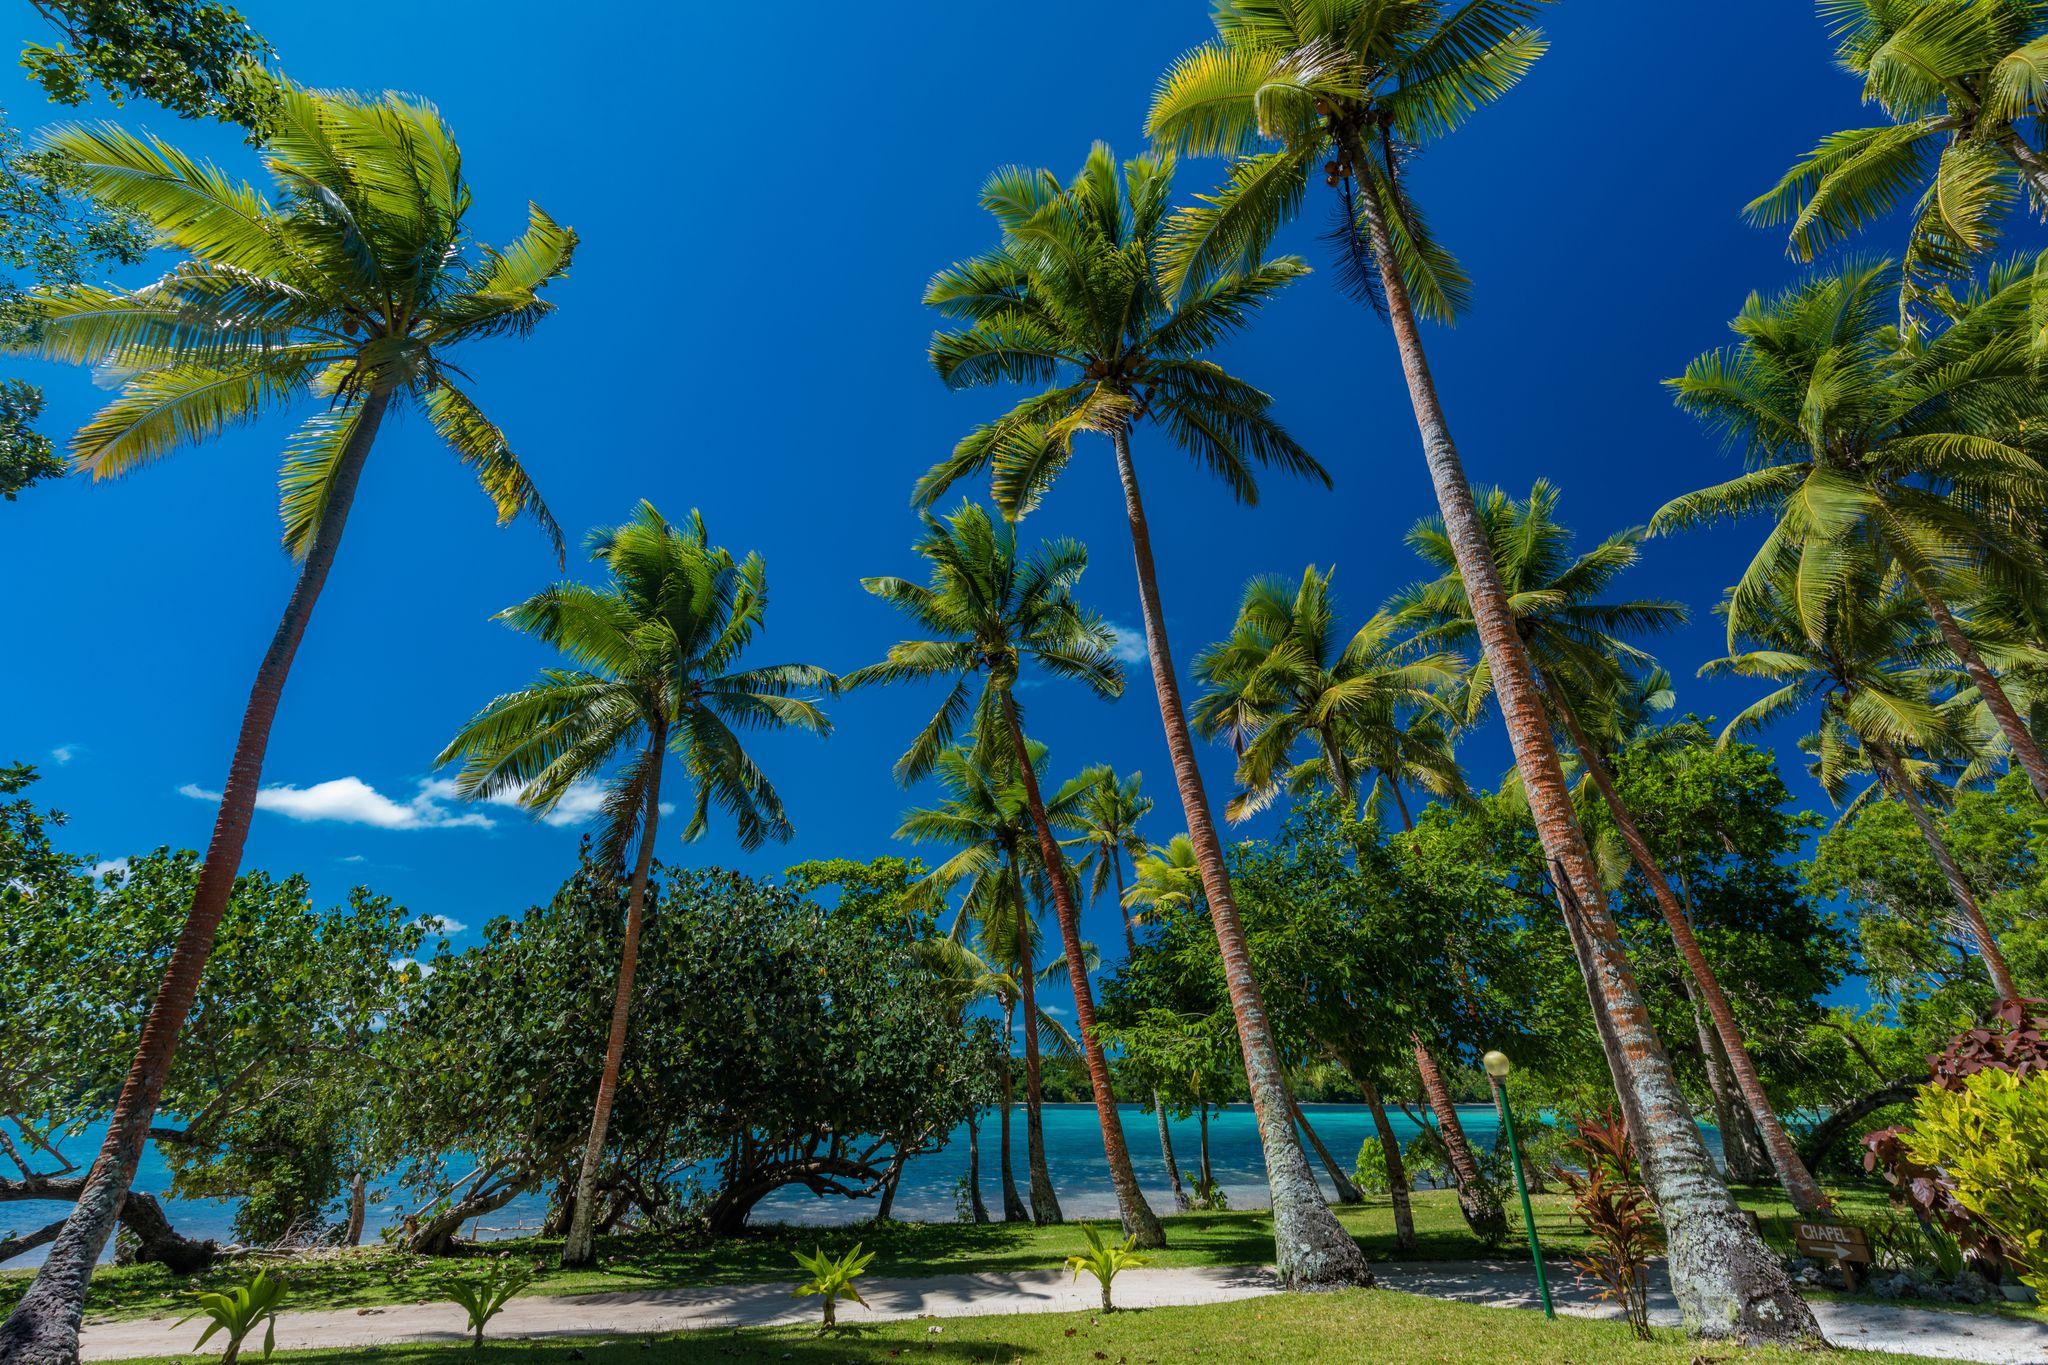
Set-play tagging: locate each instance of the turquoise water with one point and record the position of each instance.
(1073, 1150)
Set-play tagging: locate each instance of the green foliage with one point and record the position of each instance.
(235, 1313)
(1105, 1261)
(190, 56)
(1990, 1139)
(1207, 1196)
(1609, 1199)
(832, 1279)
(1369, 1169)
(481, 1298)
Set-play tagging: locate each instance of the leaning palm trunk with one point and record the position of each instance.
(576, 1249)
(2024, 750)
(1045, 1205)
(1180, 1194)
(1013, 1203)
(1800, 1186)
(1397, 1169)
(1742, 1149)
(1893, 774)
(43, 1328)
(1347, 1193)
(1139, 1222)
(1728, 1283)
(1311, 1246)
(1477, 1200)
(974, 1200)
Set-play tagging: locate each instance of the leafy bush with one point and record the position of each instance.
(1105, 1261)
(1206, 1196)
(482, 1297)
(1608, 1198)
(1988, 1141)
(1369, 1171)
(832, 1280)
(237, 1313)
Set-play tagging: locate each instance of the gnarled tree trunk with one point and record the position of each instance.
(1477, 1200)
(43, 1328)
(1728, 1283)
(1311, 1248)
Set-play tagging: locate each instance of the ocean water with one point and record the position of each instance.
(927, 1193)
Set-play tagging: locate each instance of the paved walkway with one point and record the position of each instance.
(1504, 1284)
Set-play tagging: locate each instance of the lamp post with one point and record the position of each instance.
(1497, 1066)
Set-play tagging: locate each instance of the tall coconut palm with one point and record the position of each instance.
(1285, 679)
(1573, 632)
(1927, 447)
(1106, 815)
(656, 671)
(1884, 691)
(1069, 304)
(985, 818)
(989, 610)
(1961, 82)
(1357, 84)
(347, 292)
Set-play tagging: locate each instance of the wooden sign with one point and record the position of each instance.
(1841, 1243)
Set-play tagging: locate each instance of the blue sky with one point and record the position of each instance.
(760, 207)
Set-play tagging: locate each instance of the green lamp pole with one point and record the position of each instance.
(1497, 1066)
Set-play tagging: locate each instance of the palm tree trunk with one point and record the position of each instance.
(2024, 750)
(1894, 776)
(1013, 1203)
(1180, 1196)
(1139, 1221)
(1800, 1186)
(974, 1169)
(1312, 1249)
(1476, 1199)
(1116, 867)
(1727, 1282)
(1347, 1193)
(1045, 1205)
(1742, 1150)
(1397, 1169)
(43, 1328)
(577, 1247)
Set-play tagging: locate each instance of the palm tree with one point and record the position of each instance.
(1961, 85)
(984, 817)
(1106, 815)
(352, 290)
(656, 654)
(1854, 433)
(988, 610)
(1283, 679)
(1884, 691)
(1069, 303)
(1362, 82)
(1573, 634)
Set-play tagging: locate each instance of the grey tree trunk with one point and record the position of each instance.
(1013, 1203)
(1340, 1179)
(974, 1169)
(1180, 1194)
(358, 1202)
(1397, 1169)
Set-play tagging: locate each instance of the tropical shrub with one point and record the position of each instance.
(1988, 1140)
(832, 1280)
(1206, 1196)
(1369, 1170)
(482, 1297)
(1105, 1261)
(1609, 1200)
(238, 1311)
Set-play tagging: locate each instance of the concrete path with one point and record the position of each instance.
(1503, 1284)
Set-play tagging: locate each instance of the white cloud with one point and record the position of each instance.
(580, 803)
(400, 964)
(354, 858)
(114, 867)
(1130, 644)
(352, 801)
(64, 753)
(440, 924)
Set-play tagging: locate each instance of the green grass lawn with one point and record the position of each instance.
(374, 1275)
(1286, 1329)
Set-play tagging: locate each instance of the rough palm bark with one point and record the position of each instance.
(1340, 1180)
(1397, 1169)
(578, 1246)
(1893, 773)
(1742, 1149)
(1798, 1182)
(1311, 1248)
(980, 1209)
(1727, 1282)
(1139, 1221)
(1180, 1194)
(1477, 1200)
(1013, 1203)
(43, 1328)
(1045, 1205)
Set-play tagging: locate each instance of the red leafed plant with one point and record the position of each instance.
(1608, 1197)
(2017, 1041)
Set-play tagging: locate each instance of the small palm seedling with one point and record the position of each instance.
(482, 1297)
(833, 1280)
(238, 1311)
(1105, 1260)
